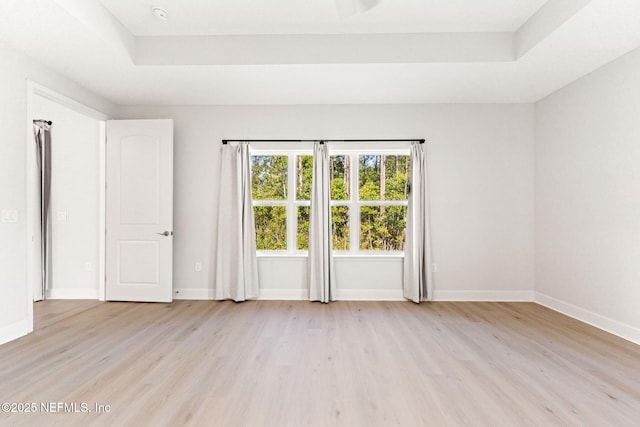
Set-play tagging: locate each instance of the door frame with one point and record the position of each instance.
(34, 90)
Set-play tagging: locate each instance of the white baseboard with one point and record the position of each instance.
(341, 294)
(370, 295)
(367, 295)
(608, 324)
(284, 294)
(73, 293)
(484, 296)
(299, 294)
(199, 294)
(397, 295)
(15, 330)
(265, 294)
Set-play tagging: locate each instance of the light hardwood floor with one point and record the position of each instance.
(286, 363)
(46, 313)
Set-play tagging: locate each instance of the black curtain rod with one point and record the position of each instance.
(226, 141)
(49, 122)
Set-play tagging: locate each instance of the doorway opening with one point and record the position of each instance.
(77, 203)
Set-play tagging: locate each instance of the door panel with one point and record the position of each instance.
(139, 210)
(139, 183)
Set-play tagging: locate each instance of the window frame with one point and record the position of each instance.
(353, 204)
(290, 203)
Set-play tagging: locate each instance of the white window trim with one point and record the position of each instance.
(291, 203)
(354, 205)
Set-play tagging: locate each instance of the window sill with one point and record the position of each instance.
(283, 257)
(369, 257)
(337, 257)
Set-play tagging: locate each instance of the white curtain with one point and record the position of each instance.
(322, 282)
(418, 278)
(42, 134)
(236, 265)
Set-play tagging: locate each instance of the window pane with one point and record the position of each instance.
(303, 228)
(340, 222)
(269, 177)
(384, 177)
(271, 228)
(340, 173)
(382, 228)
(304, 171)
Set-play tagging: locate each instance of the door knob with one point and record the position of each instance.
(166, 233)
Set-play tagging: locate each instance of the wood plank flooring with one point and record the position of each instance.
(296, 363)
(46, 313)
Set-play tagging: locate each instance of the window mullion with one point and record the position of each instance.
(354, 210)
(292, 223)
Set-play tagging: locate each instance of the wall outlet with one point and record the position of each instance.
(9, 215)
(197, 266)
(62, 216)
(88, 266)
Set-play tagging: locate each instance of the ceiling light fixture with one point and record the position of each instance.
(347, 8)
(160, 13)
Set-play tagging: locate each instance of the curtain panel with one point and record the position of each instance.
(42, 134)
(236, 263)
(417, 274)
(322, 282)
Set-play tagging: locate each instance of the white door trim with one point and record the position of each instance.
(102, 209)
(35, 89)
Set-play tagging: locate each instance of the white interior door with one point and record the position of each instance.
(139, 216)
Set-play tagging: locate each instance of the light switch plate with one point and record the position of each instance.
(9, 215)
(62, 216)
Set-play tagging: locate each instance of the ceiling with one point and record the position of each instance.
(228, 52)
(206, 17)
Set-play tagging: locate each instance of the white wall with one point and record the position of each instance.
(587, 198)
(481, 181)
(75, 180)
(15, 69)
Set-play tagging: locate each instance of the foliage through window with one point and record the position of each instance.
(383, 194)
(269, 189)
(369, 193)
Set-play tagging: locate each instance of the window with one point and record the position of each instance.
(269, 189)
(369, 192)
(281, 188)
(375, 211)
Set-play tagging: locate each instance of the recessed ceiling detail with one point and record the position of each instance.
(293, 52)
(251, 17)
